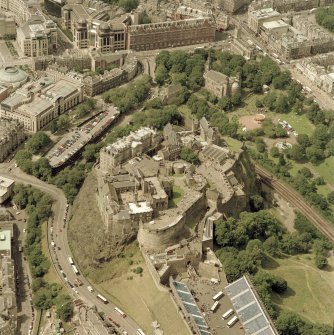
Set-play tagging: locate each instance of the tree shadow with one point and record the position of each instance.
(328, 268)
(269, 263)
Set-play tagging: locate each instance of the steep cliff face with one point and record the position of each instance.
(244, 172)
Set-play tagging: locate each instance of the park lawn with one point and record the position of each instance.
(310, 290)
(300, 123)
(140, 297)
(325, 169)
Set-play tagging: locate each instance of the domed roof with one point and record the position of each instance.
(12, 75)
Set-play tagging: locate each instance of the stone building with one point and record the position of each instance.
(95, 29)
(11, 136)
(170, 34)
(219, 84)
(319, 70)
(37, 37)
(6, 188)
(138, 142)
(7, 26)
(134, 189)
(19, 8)
(284, 6)
(37, 103)
(259, 16)
(232, 6)
(8, 307)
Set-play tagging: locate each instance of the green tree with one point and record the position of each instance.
(63, 122)
(320, 261)
(128, 5)
(189, 156)
(38, 142)
(330, 197)
(272, 246)
(274, 152)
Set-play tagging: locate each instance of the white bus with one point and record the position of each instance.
(214, 306)
(228, 314)
(70, 260)
(118, 310)
(218, 295)
(105, 301)
(75, 270)
(140, 332)
(232, 321)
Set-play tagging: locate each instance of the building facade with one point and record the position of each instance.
(7, 26)
(37, 104)
(11, 136)
(137, 143)
(170, 34)
(219, 84)
(6, 188)
(37, 37)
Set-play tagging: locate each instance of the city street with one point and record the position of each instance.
(63, 252)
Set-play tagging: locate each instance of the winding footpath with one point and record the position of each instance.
(62, 251)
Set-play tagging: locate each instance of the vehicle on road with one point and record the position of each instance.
(118, 310)
(90, 289)
(75, 270)
(140, 332)
(101, 297)
(78, 282)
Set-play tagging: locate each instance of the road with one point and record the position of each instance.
(60, 257)
(297, 201)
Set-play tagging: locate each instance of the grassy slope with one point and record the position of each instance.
(138, 297)
(310, 291)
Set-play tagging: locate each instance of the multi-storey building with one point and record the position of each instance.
(37, 37)
(170, 34)
(11, 136)
(93, 28)
(7, 26)
(232, 6)
(36, 104)
(19, 7)
(6, 188)
(8, 307)
(141, 141)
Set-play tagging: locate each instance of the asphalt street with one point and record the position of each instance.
(60, 255)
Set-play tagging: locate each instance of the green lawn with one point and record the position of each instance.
(178, 194)
(310, 290)
(300, 123)
(234, 145)
(325, 169)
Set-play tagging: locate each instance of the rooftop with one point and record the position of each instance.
(12, 75)
(249, 309)
(6, 182)
(5, 240)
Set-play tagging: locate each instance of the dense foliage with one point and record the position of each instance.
(245, 241)
(325, 17)
(38, 207)
(129, 97)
